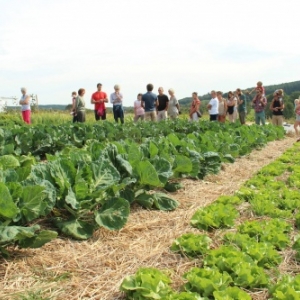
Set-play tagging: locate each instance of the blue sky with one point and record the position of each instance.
(55, 47)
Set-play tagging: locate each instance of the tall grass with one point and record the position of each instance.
(61, 117)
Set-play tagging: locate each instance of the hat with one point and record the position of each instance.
(23, 89)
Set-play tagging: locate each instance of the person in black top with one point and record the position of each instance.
(277, 107)
(163, 104)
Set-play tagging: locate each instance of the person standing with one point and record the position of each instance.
(149, 103)
(242, 108)
(222, 107)
(230, 106)
(213, 107)
(195, 107)
(163, 103)
(99, 99)
(173, 108)
(25, 106)
(297, 121)
(74, 95)
(277, 110)
(259, 102)
(116, 99)
(139, 112)
(79, 106)
(259, 86)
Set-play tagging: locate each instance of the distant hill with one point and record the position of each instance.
(288, 88)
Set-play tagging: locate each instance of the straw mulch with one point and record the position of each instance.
(94, 269)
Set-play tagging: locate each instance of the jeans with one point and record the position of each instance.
(260, 117)
(118, 113)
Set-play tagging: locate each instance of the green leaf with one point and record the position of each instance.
(164, 202)
(123, 166)
(113, 214)
(152, 149)
(63, 172)
(127, 194)
(104, 175)
(75, 228)
(182, 164)
(8, 208)
(145, 200)
(231, 293)
(148, 174)
(163, 168)
(32, 202)
(38, 240)
(8, 162)
(205, 281)
(191, 244)
(147, 283)
(9, 234)
(71, 199)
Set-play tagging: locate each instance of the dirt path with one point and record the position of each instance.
(65, 269)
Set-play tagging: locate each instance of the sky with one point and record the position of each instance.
(55, 47)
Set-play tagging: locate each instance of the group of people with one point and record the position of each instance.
(148, 106)
(157, 107)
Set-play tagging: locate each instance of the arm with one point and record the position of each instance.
(225, 107)
(135, 108)
(105, 99)
(263, 101)
(93, 101)
(74, 104)
(112, 100)
(25, 101)
(167, 104)
(241, 100)
(209, 106)
(177, 104)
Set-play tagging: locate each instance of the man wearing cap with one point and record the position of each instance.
(25, 103)
(99, 99)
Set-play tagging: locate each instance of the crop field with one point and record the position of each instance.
(84, 206)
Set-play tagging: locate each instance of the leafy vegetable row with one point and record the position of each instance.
(250, 253)
(80, 189)
(46, 139)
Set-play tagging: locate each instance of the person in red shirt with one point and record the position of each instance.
(99, 99)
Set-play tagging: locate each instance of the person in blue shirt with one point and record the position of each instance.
(149, 103)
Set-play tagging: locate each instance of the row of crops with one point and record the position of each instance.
(243, 241)
(89, 176)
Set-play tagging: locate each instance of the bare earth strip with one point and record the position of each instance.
(94, 269)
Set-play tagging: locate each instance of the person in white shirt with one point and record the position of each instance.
(213, 107)
(139, 112)
(173, 108)
(116, 99)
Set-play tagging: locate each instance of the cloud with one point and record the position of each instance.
(59, 46)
